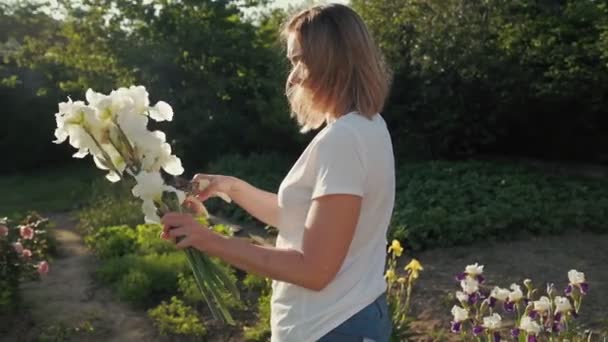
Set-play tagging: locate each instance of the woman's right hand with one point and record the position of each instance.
(219, 185)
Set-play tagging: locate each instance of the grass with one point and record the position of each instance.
(46, 190)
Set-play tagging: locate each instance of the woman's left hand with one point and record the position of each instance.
(184, 226)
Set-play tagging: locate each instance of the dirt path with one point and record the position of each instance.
(68, 305)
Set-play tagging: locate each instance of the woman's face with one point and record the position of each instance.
(294, 54)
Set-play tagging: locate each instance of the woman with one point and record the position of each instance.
(333, 208)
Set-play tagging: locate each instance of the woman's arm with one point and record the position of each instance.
(329, 231)
(262, 205)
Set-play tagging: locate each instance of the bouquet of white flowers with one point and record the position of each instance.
(113, 129)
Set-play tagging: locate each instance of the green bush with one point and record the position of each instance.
(135, 287)
(177, 318)
(256, 283)
(115, 241)
(20, 257)
(154, 275)
(261, 287)
(149, 241)
(110, 204)
(495, 77)
(261, 330)
(264, 171)
(448, 203)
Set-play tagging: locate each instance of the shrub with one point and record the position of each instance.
(148, 240)
(154, 275)
(115, 241)
(448, 203)
(256, 283)
(135, 287)
(110, 204)
(177, 318)
(23, 250)
(261, 330)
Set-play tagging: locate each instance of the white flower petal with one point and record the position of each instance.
(529, 326)
(173, 166)
(150, 185)
(469, 285)
(474, 269)
(81, 153)
(113, 177)
(150, 212)
(562, 304)
(162, 111)
(576, 277)
(462, 297)
(543, 304)
(61, 135)
(459, 313)
(492, 322)
(500, 294)
(100, 163)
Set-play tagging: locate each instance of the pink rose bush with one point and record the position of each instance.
(23, 251)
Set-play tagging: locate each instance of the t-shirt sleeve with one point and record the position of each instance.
(338, 164)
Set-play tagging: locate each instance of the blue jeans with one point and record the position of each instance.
(371, 323)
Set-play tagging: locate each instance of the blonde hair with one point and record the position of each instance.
(340, 68)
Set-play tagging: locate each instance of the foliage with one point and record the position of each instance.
(23, 249)
(256, 283)
(223, 75)
(177, 318)
(53, 189)
(139, 279)
(62, 331)
(27, 113)
(495, 77)
(260, 288)
(109, 204)
(447, 203)
(261, 330)
(148, 241)
(110, 242)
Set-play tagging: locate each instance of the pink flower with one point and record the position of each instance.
(18, 247)
(43, 268)
(26, 253)
(27, 232)
(3, 230)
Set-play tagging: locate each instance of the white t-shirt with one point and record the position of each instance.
(351, 155)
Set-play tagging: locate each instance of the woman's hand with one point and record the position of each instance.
(217, 184)
(186, 231)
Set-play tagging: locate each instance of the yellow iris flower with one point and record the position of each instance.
(396, 248)
(414, 267)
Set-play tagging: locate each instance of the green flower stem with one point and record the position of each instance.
(130, 147)
(106, 156)
(211, 280)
